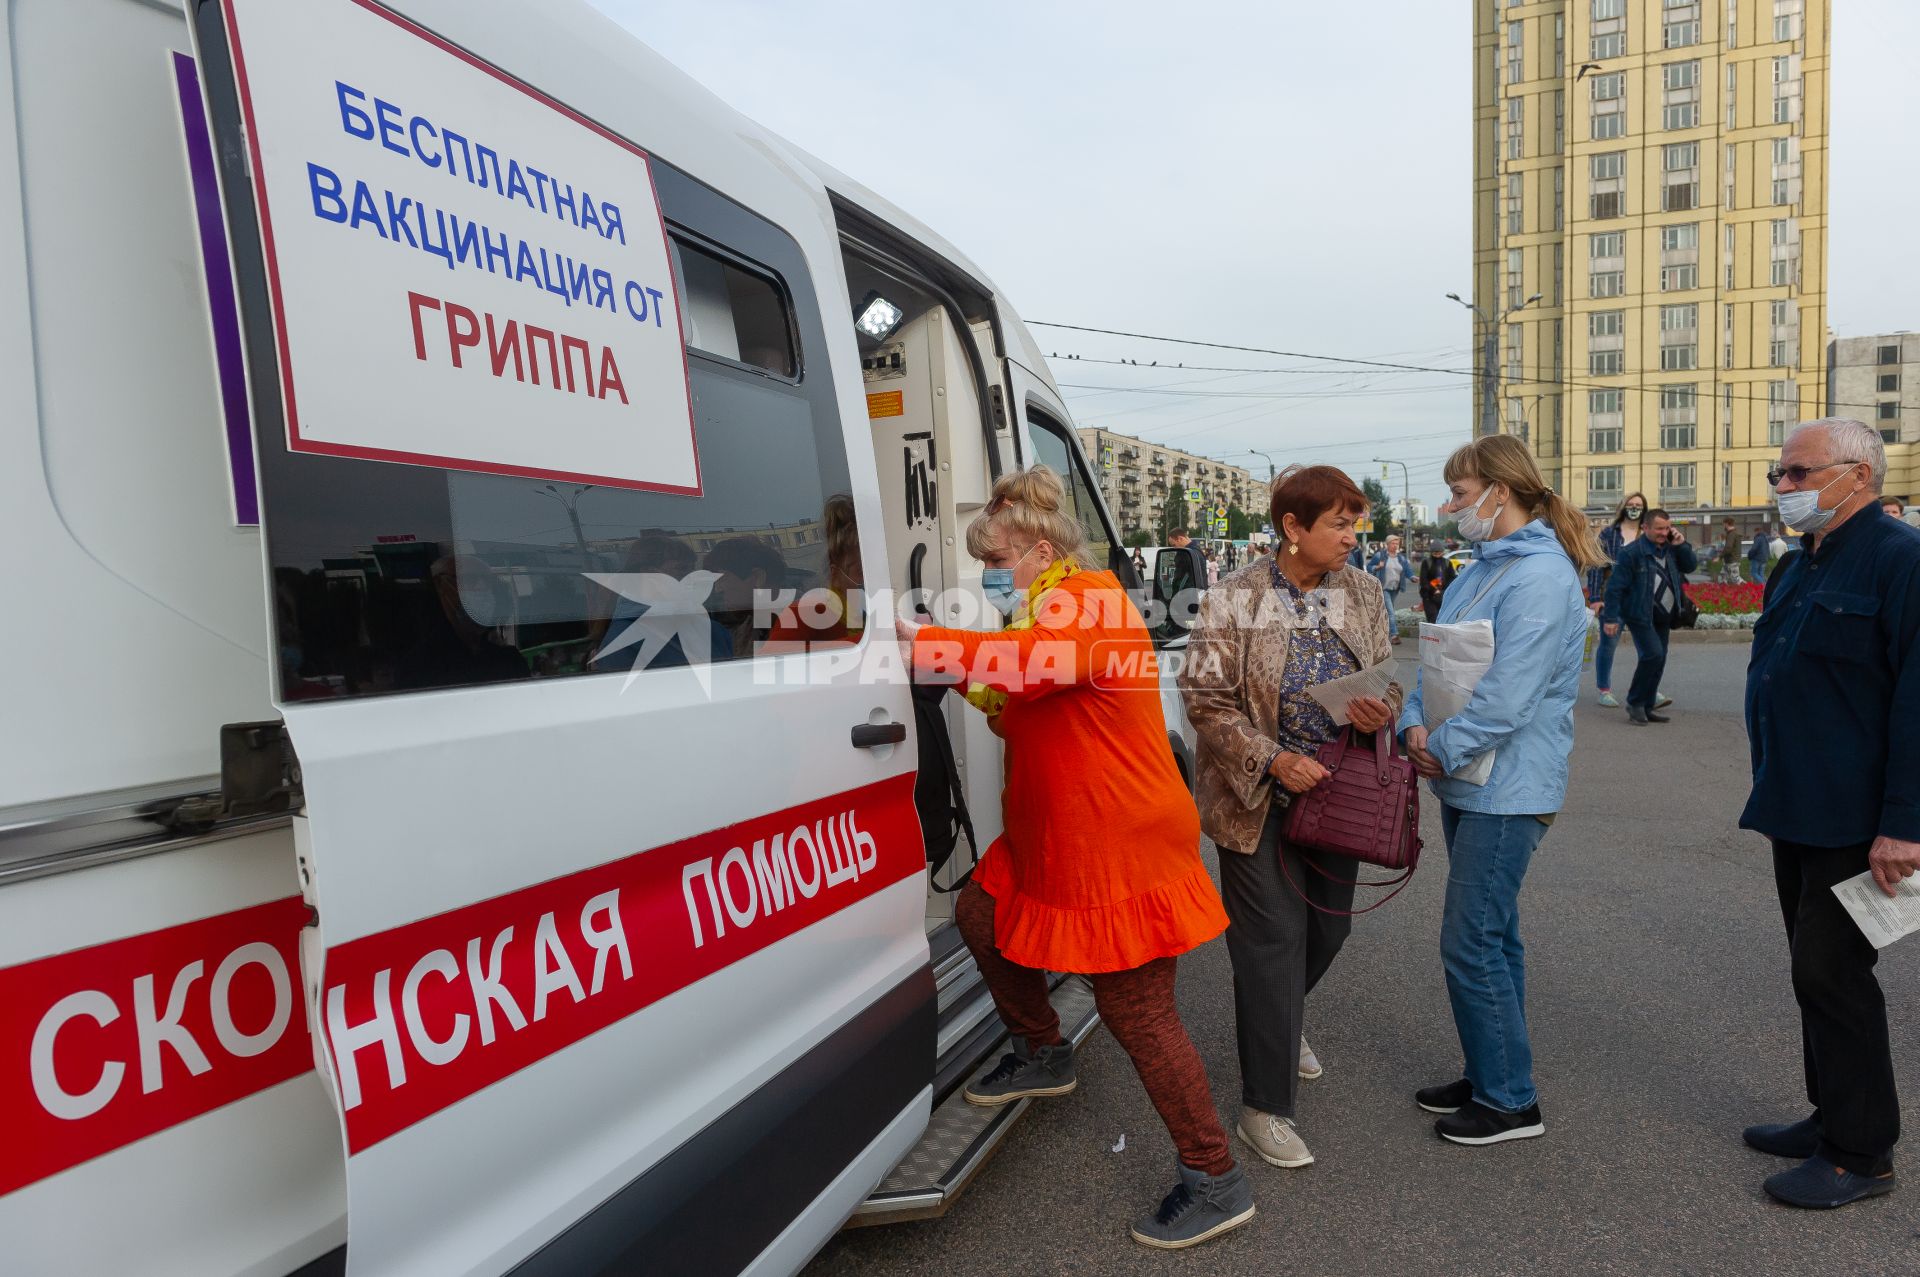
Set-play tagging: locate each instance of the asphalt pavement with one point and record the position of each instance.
(1663, 1022)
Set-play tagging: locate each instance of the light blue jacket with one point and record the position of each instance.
(1523, 706)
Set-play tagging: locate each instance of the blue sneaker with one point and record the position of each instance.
(1817, 1184)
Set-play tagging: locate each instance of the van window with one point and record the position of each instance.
(1054, 447)
(391, 578)
(731, 311)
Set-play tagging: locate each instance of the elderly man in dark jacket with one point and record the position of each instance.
(1649, 580)
(1833, 692)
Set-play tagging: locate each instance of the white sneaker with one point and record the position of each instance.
(1273, 1138)
(1309, 1062)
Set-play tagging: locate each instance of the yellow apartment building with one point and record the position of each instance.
(1655, 171)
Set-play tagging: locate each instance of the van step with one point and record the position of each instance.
(960, 1137)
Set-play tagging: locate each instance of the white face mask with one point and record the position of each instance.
(1472, 525)
(1801, 509)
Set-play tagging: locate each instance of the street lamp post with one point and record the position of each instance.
(1489, 356)
(1406, 488)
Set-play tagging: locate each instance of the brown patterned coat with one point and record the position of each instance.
(1230, 682)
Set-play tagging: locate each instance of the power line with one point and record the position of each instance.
(1160, 367)
(1558, 382)
(1256, 394)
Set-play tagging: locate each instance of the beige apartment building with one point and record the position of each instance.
(1137, 476)
(1877, 380)
(1656, 172)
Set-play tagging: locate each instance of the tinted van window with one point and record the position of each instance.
(390, 578)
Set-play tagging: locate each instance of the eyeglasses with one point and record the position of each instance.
(1799, 474)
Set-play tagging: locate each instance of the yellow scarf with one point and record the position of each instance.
(991, 701)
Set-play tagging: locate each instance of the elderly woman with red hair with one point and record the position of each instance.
(1263, 637)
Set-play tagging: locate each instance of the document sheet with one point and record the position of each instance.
(1336, 694)
(1882, 919)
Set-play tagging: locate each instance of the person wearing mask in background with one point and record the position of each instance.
(1058, 890)
(1833, 691)
(1532, 546)
(1621, 533)
(1644, 595)
(1260, 641)
(1436, 574)
(1392, 569)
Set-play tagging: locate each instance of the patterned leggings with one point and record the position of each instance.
(1138, 1009)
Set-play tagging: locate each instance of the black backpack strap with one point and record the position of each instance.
(926, 707)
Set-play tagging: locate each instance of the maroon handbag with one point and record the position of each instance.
(1367, 809)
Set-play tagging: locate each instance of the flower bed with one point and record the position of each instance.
(1725, 600)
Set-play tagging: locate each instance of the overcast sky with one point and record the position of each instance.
(1237, 173)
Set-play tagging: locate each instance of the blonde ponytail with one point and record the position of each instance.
(1503, 459)
(1029, 506)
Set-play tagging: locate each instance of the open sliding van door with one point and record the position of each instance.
(618, 958)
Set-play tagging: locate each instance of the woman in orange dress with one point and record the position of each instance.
(1099, 869)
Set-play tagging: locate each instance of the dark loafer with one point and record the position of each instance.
(1817, 1184)
(1797, 1140)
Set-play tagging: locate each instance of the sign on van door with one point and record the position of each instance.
(438, 233)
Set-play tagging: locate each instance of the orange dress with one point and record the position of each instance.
(1099, 868)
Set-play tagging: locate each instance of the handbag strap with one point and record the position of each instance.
(1488, 588)
(1398, 884)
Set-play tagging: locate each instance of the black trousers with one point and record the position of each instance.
(1650, 651)
(1279, 948)
(1843, 1017)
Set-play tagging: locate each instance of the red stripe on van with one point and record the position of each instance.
(419, 1017)
(106, 1045)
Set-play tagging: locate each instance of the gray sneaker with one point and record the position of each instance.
(1309, 1062)
(1048, 1071)
(1273, 1138)
(1200, 1208)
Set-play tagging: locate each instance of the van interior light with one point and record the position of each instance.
(878, 317)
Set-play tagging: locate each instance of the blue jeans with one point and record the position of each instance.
(1481, 951)
(1650, 643)
(1603, 660)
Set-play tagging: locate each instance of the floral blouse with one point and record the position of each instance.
(1315, 655)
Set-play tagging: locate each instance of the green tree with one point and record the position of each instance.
(1137, 537)
(1173, 514)
(1240, 524)
(1382, 504)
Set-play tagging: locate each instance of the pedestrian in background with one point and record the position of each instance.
(1531, 547)
(1894, 506)
(1833, 692)
(1616, 537)
(1436, 574)
(1392, 568)
(1729, 553)
(1260, 641)
(1056, 891)
(1139, 564)
(1760, 554)
(1644, 595)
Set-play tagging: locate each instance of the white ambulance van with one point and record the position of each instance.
(416, 855)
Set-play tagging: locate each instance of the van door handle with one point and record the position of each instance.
(874, 735)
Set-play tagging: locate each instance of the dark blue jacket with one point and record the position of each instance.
(1630, 588)
(1833, 690)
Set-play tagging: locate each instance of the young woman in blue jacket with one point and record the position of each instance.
(1531, 547)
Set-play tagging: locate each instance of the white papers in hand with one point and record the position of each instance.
(1336, 694)
(1453, 658)
(1882, 919)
